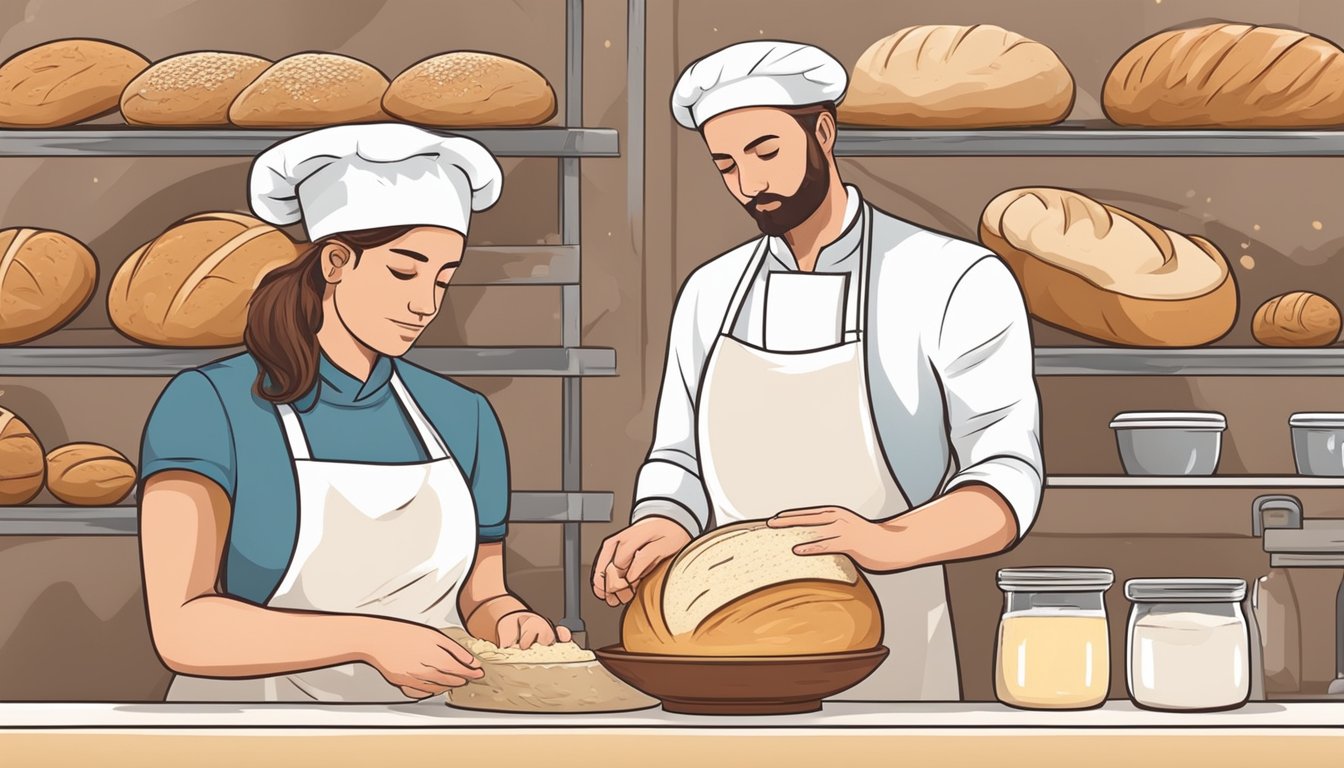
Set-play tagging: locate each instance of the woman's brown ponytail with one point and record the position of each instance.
(285, 313)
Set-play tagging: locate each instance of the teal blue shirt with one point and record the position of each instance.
(208, 421)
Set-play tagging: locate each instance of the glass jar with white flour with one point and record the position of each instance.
(1188, 644)
(1053, 644)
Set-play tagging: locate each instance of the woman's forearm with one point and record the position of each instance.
(968, 522)
(216, 636)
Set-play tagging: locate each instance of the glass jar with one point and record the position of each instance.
(1189, 644)
(1053, 643)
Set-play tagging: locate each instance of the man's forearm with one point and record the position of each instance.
(968, 522)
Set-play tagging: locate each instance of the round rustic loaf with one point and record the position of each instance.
(46, 278)
(193, 89)
(65, 81)
(311, 89)
(466, 88)
(189, 287)
(1297, 319)
(89, 474)
(22, 468)
(741, 591)
(946, 76)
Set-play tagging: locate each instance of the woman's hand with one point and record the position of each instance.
(842, 532)
(421, 661)
(524, 629)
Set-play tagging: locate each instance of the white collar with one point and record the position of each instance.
(844, 244)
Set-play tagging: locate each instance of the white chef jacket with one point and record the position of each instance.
(948, 353)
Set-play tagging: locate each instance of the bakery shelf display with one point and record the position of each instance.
(111, 141)
(1208, 361)
(121, 519)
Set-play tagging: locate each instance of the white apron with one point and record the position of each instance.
(787, 430)
(394, 540)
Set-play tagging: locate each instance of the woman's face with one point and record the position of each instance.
(393, 291)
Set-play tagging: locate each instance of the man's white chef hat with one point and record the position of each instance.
(759, 73)
(351, 177)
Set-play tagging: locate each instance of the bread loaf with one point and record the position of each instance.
(942, 76)
(741, 591)
(470, 89)
(1298, 319)
(1228, 76)
(22, 468)
(193, 89)
(189, 287)
(46, 278)
(1107, 274)
(311, 89)
(63, 82)
(544, 678)
(89, 474)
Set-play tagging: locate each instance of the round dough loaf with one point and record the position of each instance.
(46, 278)
(193, 89)
(470, 89)
(189, 287)
(740, 591)
(89, 474)
(1298, 319)
(1227, 76)
(311, 89)
(945, 76)
(65, 81)
(22, 468)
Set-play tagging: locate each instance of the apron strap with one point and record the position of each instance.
(865, 267)
(295, 437)
(434, 445)
(743, 285)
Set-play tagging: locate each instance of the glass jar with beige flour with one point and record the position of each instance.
(1189, 644)
(1053, 645)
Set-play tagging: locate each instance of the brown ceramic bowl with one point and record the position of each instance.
(741, 685)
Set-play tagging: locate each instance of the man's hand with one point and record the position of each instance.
(842, 532)
(628, 555)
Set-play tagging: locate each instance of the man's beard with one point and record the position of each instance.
(798, 207)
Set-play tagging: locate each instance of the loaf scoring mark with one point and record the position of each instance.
(222, 252)
(1212, 67)
(1264, 72)
(12, 252)
(695, 599)
(724, 561)
(957, 41)
(895, 42)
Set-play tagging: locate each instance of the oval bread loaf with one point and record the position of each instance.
(1298, 319)
(311, 89)
(943, 76)
(193, 89)
(189, 287)
(466, 88)
(1107, 274)
(1228, 76)
(741, 591)
(46, 278)
(65, 81)
(88, 474)
(22, 467)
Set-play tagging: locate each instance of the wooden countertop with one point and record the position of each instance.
(850, 734)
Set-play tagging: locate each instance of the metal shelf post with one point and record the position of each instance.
(571, 407)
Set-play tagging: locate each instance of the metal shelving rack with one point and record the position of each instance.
(557, 265)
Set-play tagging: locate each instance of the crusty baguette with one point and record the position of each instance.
(192, 89)
(946, 76)
(1108, 274)
(1228, 76)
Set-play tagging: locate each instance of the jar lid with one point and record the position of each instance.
(1318, 420)
(1205, 420)
(1055, 579)
(1185, 590)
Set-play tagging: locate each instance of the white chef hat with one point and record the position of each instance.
(351, 177)
(759, 73)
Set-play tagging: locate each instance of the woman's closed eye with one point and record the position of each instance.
(401, 275)
(769, 155)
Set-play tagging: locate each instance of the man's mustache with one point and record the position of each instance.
(765, 198)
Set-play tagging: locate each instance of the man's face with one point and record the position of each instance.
(775, 168)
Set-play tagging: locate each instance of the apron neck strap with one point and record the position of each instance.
(301, 450)
(744, 285)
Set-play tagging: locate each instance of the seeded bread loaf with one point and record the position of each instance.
(65, 81)
(1108, 274)
(470, 89)
(943, 76)
(741, 591)
(1228, 76)
(193, 89)
(311, 89)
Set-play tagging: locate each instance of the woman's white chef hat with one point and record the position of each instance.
(351, 177)
(759, 73)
